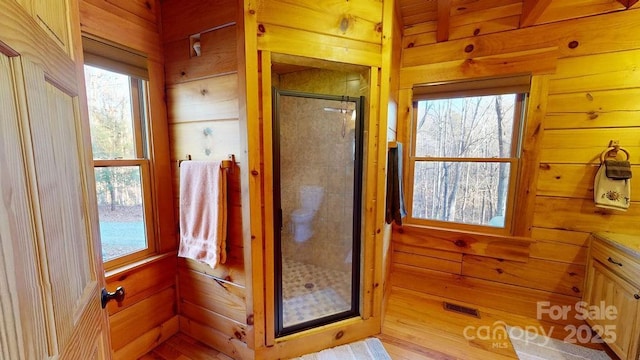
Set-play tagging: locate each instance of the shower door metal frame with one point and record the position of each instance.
(357, 213)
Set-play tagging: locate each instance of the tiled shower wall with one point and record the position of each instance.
(314, 152)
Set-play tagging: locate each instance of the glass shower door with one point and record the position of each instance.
(317, 194)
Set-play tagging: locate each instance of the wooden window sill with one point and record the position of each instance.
(113, 273)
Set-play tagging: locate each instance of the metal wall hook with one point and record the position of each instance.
(612, 151)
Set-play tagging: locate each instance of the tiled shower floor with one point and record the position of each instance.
(310, 292)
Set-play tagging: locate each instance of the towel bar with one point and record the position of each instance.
(225, 164)
(228, 164)
(187, 159)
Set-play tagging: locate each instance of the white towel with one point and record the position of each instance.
(203, 212)
(610, 193)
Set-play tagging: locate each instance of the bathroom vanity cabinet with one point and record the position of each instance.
(613, 284)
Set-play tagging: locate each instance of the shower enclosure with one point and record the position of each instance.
(318, 151)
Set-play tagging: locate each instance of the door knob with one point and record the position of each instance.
(117, 295)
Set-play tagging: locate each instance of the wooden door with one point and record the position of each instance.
(50, 264)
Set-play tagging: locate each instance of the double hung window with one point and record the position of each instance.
(465, 153)
(117, 97)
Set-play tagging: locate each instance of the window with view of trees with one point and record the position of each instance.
(117, 115)
(464, 158)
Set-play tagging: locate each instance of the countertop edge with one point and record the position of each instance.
(630, 244)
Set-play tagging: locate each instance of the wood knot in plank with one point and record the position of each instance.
(575, 289)
(339, 335)
(589, 97)
(592, 115)
(204, 92)
(573, 44)
(460, 243)
(261, 29)
(476, 32)
(499, 271)
(469, 63)
(344, 23)
(469, 48)
(250, 319)
(378, 27)
(545, 166)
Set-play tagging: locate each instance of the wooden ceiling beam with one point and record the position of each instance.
(628, 3)
(444, 11)
(532, 10)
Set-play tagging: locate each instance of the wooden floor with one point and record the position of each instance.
(183, 347)
(415, 327)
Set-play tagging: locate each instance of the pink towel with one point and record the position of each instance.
(203, 212)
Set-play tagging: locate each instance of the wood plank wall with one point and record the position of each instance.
(203, 106)
(349, 32)
(148, 315)
(395, 57)
(584, 90)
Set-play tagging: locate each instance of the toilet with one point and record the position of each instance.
(310, 198)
